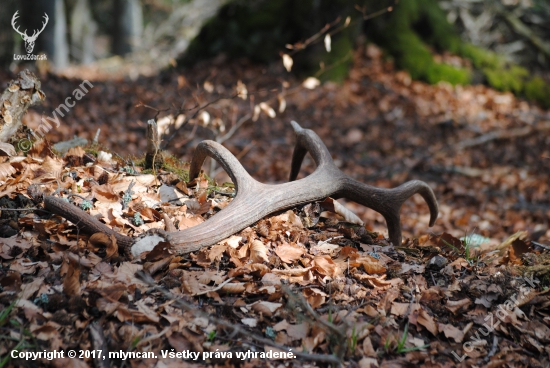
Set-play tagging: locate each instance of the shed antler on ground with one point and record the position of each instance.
(255, 200)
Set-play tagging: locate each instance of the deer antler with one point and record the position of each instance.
(35, 34)
(254, 200)
(15, 16)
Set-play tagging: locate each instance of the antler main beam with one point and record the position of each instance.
(255, 200)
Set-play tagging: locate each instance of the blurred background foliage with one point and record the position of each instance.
(502, 43)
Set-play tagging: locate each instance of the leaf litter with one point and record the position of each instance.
(472, 292)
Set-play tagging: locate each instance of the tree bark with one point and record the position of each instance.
(128, 26)
(14, 102)
(7, 34)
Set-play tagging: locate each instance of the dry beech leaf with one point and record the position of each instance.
(427, 321)
(71, 283)
(503, 247)
(517, 249)
(105, 193)
(187, 222)
(327, 42)
(258, 252)
(267, 109)
(294, 332)
(311, 83)
(6, 149)
(266, 308)
(6, 171)
(292, 271)
(326, 266)
(399, 309)
(371, 265)
(99, 240)
(282, 103)
(235, 288)
(256, 114)
(257, 269)
(287, 62)
(451, 331)
(31, 288)
(454, 305)
(250, 322)
(333, 205)
(270, 279)
(232, 241)
(242, 92)
(315, 297)
(75, 151)
(288, 254)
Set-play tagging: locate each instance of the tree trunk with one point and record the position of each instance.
(56, 45)
(7, 34)
(83, 31)
(128, 26)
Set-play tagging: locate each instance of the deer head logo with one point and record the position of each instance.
(29, 40)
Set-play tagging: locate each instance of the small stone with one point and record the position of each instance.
(437, 262)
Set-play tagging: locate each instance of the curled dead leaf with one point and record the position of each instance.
(288, 254)
(287, 62)
(258, 251)
(234, 288)
(266, 308)
(315, 297)
(371, 265)
(326, 266)
(71, 282)
(6, 149)
(268, 110)
(333, 205)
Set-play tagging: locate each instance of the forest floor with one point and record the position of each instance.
(470, 291)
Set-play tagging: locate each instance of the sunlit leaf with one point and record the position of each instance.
(311, 83)
(268, 110)
(327, 42)
(287, 62)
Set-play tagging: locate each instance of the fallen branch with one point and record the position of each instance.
(501, 134)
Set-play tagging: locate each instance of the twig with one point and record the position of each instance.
(96, 137)
(152, 137)
(524, 31)
(500, 134)
(494, 349)
(234, 128)
(331, 359)
(99, 343)
(19, 209)
(216, 288)
(304, 303)
(541, 245)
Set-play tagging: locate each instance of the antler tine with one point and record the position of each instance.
(255, 200)
(222, 155)
(37, 32)
(13, 19)
(388, 202)
(44, 23)
(308, 141)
